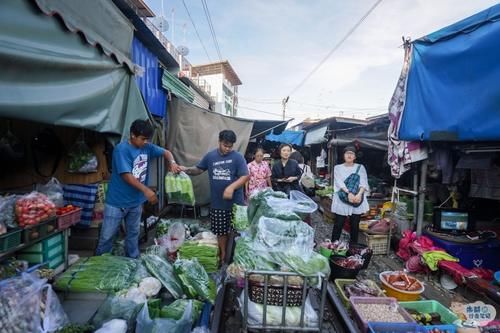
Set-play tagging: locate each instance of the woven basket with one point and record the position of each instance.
(275, 294)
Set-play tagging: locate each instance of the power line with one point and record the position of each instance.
(212, 30)
(333, 106)
(196, 30)
(335, 48)
(261, 111)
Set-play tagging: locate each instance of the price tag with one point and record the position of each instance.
(480, 312)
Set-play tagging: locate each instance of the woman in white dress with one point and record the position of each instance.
(341, 209)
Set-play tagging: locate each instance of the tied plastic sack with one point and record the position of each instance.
(117, 307)
(8, 212)
(174, 238)
(179, 189)
(29, 305)
(239, 218)
(81, 158)
(53, 190)
(34, 208)
(288, 237)
(147, 325)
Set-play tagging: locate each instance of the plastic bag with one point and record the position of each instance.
(274, 314)
(239, 218)
(302, 203)
(176, 309)
(34, 208)
(81, 158)
(164, 272)
(248, 257)
(257, 198)
(117, 307)
(147, 325)
(53, 190)
(8, 212)
(150, 286)
(113, 326)
(29, 305)
(194, 279)
(174, 238)
(179, 188)
(289, 237)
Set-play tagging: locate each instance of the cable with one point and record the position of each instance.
(212, 30)
(262, 111)
(196, 30)
(333, 106)
(335, 48)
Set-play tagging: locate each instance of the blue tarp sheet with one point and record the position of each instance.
(453, 89)
(291, 137)
(150, 83)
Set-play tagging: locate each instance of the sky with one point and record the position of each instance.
(274, 44)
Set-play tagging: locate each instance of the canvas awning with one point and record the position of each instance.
(51, 76)
(453, 89)
(361, 142)
(315, 135)
(101, 23)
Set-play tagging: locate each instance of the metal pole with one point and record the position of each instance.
(415, 198)
(421, 196)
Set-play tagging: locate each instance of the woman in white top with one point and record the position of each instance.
(341, 209)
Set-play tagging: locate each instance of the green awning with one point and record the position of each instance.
(49, 75)
(176, 87)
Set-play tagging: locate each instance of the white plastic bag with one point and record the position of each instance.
(8, 211)
(174, 238)
(150, 286)
(53, 190)
(113, 326)
(147, 325)
(274, 314)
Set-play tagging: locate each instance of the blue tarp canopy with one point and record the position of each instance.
(291, 137)
(453, 88)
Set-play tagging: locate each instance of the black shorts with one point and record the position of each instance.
(220, 221)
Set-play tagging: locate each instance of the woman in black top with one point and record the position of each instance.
(286, 172)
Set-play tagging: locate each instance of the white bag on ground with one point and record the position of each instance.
(113, 326)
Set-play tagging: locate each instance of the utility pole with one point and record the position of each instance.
(283, 102)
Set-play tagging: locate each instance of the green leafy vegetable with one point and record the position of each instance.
(207, 255)
(195, 280)
(179, 188)
(240, 217)
(163, 271)
(177, 308)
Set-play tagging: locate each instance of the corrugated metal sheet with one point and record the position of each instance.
(199, 100)
(150, 83)
(176, 86)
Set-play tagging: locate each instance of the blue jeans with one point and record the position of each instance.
(113, 217)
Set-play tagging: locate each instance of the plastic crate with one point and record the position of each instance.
(428, 306)
(362, 322)
(10, 240)
(339, 284)
(378, 243)
(65, 221)
(392, 327)
(441, 328)
(33, 233)
(50, 251)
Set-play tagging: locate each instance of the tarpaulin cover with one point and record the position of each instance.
(291, 137)
(150, 82)
(192, 132)
(453, 91)
(176, 86)
(99, 22)
(316, 135)
(49, 75)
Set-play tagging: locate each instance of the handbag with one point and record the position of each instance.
(352, 184)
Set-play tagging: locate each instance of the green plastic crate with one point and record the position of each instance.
(447, 317)
(40, 257)
(45, 244)
(10, 240)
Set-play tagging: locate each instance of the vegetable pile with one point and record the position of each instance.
(424, 318)
(179, 188)
(66, 209)
(327, 191)
(34, 208)
(338, 247)
(402, 281)
(205, 250)
(195, 281)
(104, 273)
(176, 309)
(164, 272)
(239, 217)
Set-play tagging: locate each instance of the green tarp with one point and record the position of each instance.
(50, 75)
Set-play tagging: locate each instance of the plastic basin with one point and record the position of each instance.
(400, 295)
